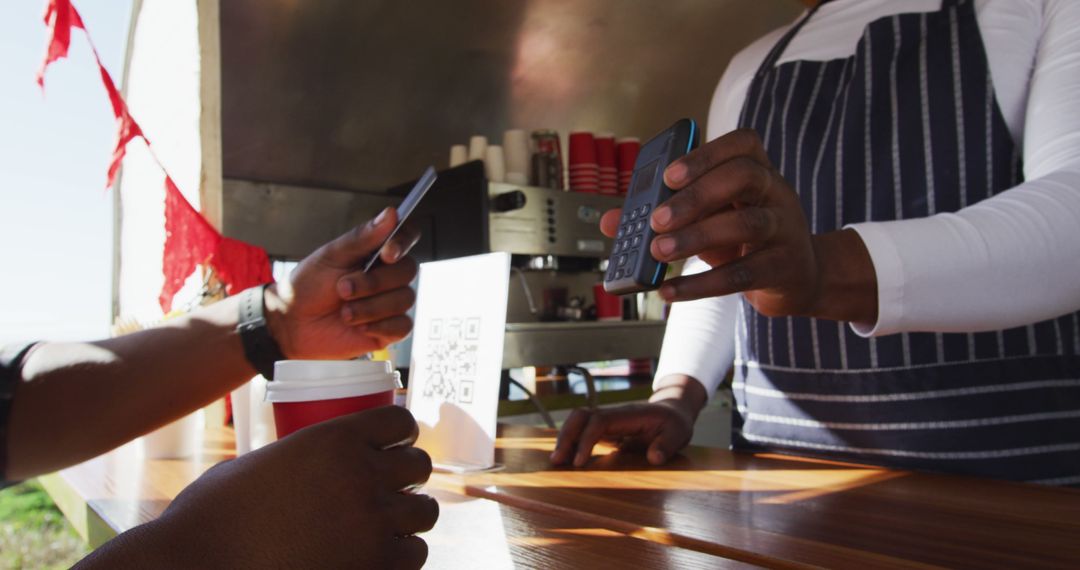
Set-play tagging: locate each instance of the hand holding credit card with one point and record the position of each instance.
(404, 210)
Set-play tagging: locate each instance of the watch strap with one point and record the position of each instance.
(260, 348)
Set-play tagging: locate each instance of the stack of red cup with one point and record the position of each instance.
(626, 151)
(607, 164)
(584, 170)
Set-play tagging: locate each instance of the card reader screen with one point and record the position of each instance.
(644, 177)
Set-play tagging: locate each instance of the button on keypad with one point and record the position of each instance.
(630, 238)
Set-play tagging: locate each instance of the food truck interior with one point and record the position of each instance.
(311, 112)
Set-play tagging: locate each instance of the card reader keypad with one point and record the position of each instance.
(629, 237)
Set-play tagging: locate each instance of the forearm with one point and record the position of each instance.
(680, 390)
(699, 342)
(121, 388)
(145, 546)
(847, 288)
(174, 541)
(1020, 247)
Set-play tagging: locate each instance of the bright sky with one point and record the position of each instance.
(55, 215)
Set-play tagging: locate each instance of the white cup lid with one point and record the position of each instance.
(286, 371)
(309, 380)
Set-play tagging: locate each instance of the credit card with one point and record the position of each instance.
(404, 210)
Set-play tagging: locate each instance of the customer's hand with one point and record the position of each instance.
(662, 427)
(330, 309)
(338, 494)
(735, 211)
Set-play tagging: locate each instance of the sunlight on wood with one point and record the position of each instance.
(829, 488)
(601, 532)
(536, 541)
(823, 480)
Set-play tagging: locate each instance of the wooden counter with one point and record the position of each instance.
(708, 508)
(120, 490)
(791, 512)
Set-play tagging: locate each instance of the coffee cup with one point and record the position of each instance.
(306, 392)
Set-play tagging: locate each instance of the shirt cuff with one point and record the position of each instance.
(889, 269)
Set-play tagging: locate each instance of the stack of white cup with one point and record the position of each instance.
(516, 151)
(507, 163)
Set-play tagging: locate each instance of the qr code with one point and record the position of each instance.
(451, 359)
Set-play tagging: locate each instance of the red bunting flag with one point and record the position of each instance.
(189, 239)
(189, 242)
(240, 265)
(60, 17)
(126, 127)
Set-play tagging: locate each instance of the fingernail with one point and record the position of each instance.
(666, 245)
(667, 292)
(382, 216)
(346, 313)
(676, 173)
(345, 288)
(393, 251)
(662, 216)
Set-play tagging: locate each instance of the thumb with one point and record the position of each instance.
(609, 222)
(360, 242)
(664, 446)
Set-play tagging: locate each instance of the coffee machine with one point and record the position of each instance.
(558, 252)
(558, 255)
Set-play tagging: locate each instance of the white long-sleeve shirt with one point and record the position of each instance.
(1021, 246)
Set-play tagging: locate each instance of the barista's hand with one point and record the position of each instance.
(331, 309)
(662, 427)
(338, 494)
(736, 212)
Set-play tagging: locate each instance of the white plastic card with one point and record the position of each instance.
(456, 361)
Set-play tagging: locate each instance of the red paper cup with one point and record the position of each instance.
(608, 306)
(605, 153)
(582, 149)
(306, 392)
(626, 151)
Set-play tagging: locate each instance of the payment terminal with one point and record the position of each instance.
(631, 268)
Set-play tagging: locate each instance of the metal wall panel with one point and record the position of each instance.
(363, 94)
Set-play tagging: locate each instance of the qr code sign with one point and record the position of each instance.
(451, 358)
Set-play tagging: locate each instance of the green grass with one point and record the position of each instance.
(33, 532)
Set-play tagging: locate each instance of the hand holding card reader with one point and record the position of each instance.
(631, 268)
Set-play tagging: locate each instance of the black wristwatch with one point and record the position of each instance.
(260, 348)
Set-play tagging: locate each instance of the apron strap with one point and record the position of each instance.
(781, 46)
(778, 49)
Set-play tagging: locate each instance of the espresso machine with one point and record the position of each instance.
(558, 252)
(558, 256)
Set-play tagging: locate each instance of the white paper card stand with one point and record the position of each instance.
(457, 359)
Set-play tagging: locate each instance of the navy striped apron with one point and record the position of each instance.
(907, 127)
